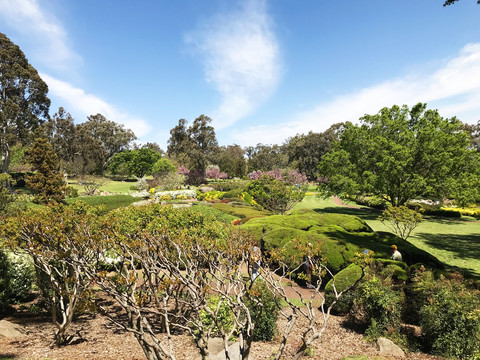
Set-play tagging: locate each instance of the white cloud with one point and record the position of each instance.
(241, 59)
(27, 17)
(79, 102)
(453, 89)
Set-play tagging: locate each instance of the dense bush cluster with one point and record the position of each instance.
(445, 306)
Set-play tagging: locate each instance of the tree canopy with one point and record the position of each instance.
(23, 99)
(450, 2)
(305, 151)
(402, 154)
(194, 146)
(108, 138)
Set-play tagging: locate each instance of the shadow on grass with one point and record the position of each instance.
(7, 356)
(362, 213)
(463, 246)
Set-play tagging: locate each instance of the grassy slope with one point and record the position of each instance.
(114, 187)
(455, 243)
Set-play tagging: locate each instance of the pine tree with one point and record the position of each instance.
(47, 183)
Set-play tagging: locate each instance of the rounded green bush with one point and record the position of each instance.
(342, 280)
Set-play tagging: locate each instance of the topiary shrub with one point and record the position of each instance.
(240, 211)
(342, 280)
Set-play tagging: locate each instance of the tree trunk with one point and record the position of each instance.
(5, 153)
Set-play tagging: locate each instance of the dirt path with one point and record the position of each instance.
(339, 202)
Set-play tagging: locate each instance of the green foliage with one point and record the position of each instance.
(195, 146)
(138, 162)
(108, 202)
(231, 159)
(449, 314)
(266, 314)
(274, 195)
(337, 236)
(5, 282)
(5, 196)
(266, 157)
(229, 185)
(163, 167)
(306, 150)
(47, 183)
(23, 100)
(103, 139)
(402, 153)
(381, 307)
(221, 316)
(401, 220)
(22, 278)
(217, 214)
(156, 218)
(342, 280)
(72, 192)
(243, 212)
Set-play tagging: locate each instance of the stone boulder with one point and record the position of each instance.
(11, 330)
(388, 348)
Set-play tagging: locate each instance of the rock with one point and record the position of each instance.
(217, 352)
(11, 330)
(388, 348)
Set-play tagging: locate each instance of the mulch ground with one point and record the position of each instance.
(102, 341)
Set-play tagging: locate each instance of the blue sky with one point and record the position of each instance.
(263, 70)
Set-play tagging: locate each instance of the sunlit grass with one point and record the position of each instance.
(454, 242)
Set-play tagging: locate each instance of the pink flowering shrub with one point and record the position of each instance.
(296, 177)
(183, 170)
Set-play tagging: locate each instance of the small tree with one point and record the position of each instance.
(58, 241)
(401, 220)
(47, 183)
(91, 184)
(275, 195)
(169, 264)
(163, 167)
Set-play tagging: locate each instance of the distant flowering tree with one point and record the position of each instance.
(254, 175)
(223, 176)
(212, 172)
(276, 173)
(295, 177)
(182, 170)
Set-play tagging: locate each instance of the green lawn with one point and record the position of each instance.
(454, 242)
(114, 187)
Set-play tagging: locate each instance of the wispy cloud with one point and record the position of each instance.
(52, 48)
(453, 89)
(79, 102)
(241, 60)
(27, 17)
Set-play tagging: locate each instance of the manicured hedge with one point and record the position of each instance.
(343, 279)
(338, 236)
(240, 211)
(217, 214)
